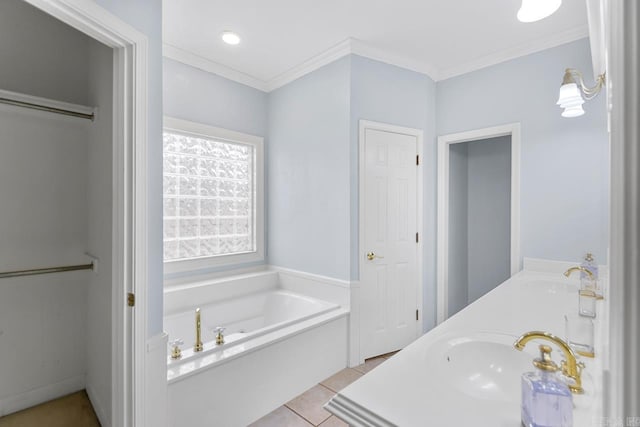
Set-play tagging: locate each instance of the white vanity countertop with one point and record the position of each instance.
(415, 388)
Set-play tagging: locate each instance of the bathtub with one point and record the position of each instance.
(285, 332)
(244, 318)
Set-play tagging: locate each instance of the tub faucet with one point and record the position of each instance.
(570, 367)
(198, 346)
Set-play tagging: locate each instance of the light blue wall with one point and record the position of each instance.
(564, 162)
(192, 94)
(488, 215)
(458, 278)
(312, 150)
(394, 95)
(146, 17)
(309, 173)
(202, 97)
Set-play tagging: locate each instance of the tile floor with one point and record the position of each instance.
(307, 409)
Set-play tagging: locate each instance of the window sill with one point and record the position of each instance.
(195, 266)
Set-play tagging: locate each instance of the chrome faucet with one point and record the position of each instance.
(198, 345)
(570, 367)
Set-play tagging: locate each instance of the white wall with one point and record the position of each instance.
(99, 237)
(52, 69)
(43, 216)
(55, 172)
(42, 224)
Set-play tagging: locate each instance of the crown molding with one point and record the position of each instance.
(516, 52)
(197, 61)
(358, 47)
(326, 57)
(363, 49)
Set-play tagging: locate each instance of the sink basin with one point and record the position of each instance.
(484, 366)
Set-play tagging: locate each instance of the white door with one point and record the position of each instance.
(389, 257)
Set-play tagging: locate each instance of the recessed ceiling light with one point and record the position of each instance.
(229, 37)
(535, 10)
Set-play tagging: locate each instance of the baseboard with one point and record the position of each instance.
(40, 395)
(98, 407)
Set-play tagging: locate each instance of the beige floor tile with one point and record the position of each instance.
(72, 410)
(388, 355)
(342, 379)
(309, 404)
(281, 417)
(334, 421)
(369, 364)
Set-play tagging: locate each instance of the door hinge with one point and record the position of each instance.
(131, 299)
(417, 237)
(417, 159)
(417, 317)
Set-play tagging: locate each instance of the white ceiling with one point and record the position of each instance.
(441, 38)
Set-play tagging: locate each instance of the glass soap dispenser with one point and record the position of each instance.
(589, 281)
(546, 399)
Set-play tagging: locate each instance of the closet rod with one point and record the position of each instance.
(46, 108)
(36, 271)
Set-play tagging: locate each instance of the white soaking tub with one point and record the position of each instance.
(279, 341)
(244, 318)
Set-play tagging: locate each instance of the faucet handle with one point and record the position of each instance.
(176, 353)
(176, 343)
(219, 330)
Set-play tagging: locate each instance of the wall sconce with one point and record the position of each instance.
(571, 92)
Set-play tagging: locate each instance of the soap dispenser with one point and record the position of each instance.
(546, 399)
(590, 264)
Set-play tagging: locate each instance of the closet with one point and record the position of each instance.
(56, 158)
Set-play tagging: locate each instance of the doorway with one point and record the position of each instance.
(106, 180)
(478, 214)
(390, 243)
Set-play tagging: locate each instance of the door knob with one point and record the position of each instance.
(371, 256)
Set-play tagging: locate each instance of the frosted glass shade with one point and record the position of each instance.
(571, 100)
(535, 10)
(573, 111)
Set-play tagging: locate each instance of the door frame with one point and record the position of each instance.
(419, 135)
(130, 194)
(442, 252)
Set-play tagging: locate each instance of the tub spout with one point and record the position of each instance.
(198, 346)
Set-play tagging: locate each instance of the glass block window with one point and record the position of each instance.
(209, 195)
